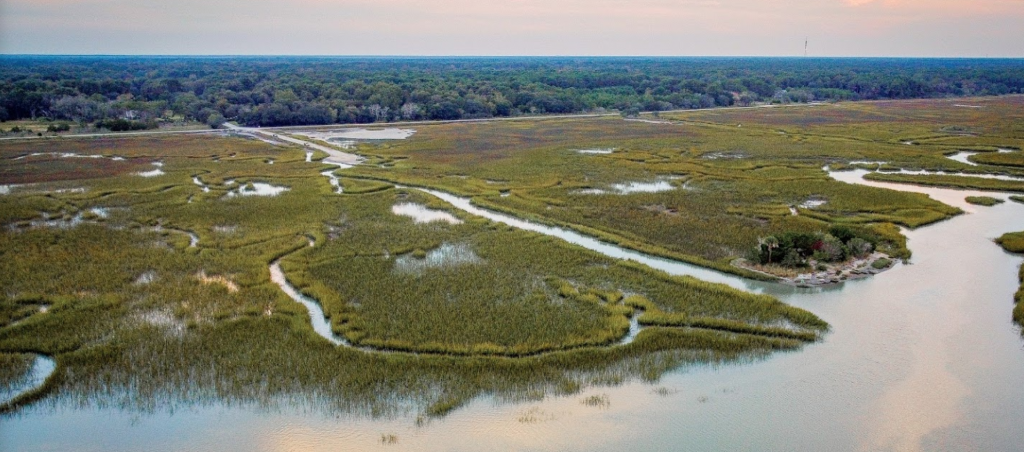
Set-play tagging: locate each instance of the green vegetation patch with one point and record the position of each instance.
(984, 200)
(742, 182)
(1012, 159)
(941, 180)
(498, 291)
(1012, 242)
(14, 366)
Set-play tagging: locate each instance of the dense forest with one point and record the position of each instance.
(121, 93)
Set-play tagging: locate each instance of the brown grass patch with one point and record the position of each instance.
(217, 279)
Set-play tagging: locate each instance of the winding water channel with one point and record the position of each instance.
(922, 357)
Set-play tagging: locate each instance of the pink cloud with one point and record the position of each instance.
(963, 7)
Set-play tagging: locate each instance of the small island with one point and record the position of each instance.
(987, 201)
(1014, 243)
(808, 259)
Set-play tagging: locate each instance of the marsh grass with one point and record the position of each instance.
(534, 293)
(984, 200)
(177, 339)
(534, 316)
(1011, 159)
(597, 401)
(743, 198)
(1014, 243)
(942, 180)
(14, 367)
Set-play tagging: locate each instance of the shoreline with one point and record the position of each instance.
(834, 274)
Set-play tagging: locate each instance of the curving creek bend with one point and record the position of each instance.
(922, 357)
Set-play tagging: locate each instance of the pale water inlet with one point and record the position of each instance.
(421, 214)
(258, 189)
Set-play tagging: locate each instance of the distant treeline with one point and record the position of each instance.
(278, 91)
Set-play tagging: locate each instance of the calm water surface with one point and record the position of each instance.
(922, 357)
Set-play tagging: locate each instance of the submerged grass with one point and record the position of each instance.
(14, 366)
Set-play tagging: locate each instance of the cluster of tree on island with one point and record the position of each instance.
(797, 249)
(279, 91)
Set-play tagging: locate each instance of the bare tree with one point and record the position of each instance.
(410, 111)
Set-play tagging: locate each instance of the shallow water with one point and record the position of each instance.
(642, 187)
(813, 203)
(946, 173)
(61, 221)
(257, 189)
(379, 134)
(628, 188)
(338, 136)
(343, 143)
(151, 173)
(316, 315)
(963, 157)
(193, 239)
(335, 182)
(421, 214)
(70, 155)
(204, 187)
(446, 255)
(922, 357)
(41, 369)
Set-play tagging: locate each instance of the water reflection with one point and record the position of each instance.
(256, 189)
(41, 369)
(421, 214)
(628, 188)
(445, 256)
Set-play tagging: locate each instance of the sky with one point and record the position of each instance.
(845, 28)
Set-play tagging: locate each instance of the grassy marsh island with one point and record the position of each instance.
(987, 201)
(1014, 243)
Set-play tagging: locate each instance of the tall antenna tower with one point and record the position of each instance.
(805, 46)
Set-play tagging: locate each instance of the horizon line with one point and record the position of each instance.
(411, 56)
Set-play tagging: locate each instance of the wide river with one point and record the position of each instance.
(922, 357)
